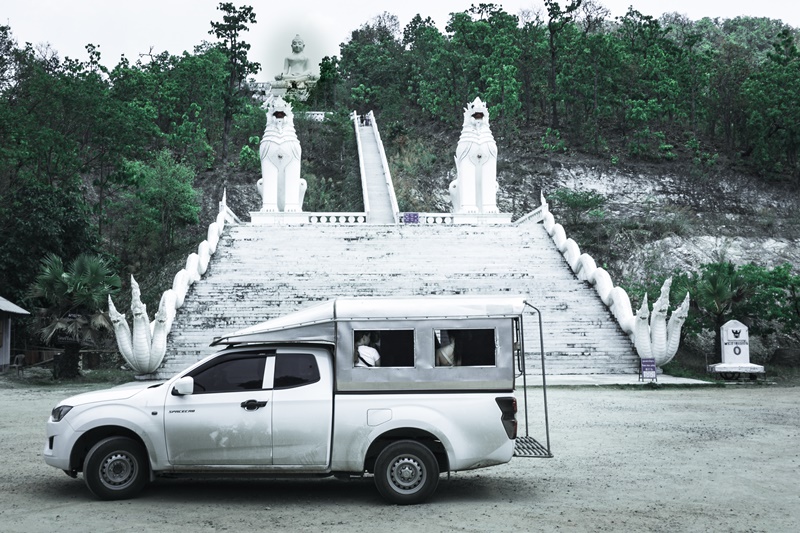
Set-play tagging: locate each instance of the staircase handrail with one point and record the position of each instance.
(337, 217)
(651, 335)
(535, 216)
(385, 164)
(422, 219)
(616, 299)
(230, 216)
(354, 118)
(146, 357)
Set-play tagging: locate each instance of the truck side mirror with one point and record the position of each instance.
(184, 386)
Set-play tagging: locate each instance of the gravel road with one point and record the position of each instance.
(699, 459)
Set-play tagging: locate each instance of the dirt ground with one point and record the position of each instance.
(688, 459)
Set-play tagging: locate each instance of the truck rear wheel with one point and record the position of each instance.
(406, 472)
(115, 468)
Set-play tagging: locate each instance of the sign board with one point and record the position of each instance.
(735, 343)
(648, 370)
(410, 218)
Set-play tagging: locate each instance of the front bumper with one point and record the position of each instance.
(58, 444)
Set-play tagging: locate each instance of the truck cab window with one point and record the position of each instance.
(295, 370)
(464, 347)
(231, 375)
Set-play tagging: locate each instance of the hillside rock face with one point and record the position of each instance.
(687, 253)
(731, 218)
(260, 272)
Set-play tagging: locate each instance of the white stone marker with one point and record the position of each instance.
(735, 343)
(735, 350)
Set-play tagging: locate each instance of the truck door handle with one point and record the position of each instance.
(253, 405)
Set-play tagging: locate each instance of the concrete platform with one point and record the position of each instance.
(599, 380)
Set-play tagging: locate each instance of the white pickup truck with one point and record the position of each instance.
(402, 388)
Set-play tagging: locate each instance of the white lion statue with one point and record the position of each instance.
(280, 186)
(475, 188)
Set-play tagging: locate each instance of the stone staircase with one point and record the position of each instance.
(380, 203)
(260, 272)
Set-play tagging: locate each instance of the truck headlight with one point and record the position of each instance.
(60, 412)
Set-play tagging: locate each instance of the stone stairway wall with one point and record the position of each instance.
(260, 272)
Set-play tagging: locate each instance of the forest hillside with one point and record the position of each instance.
(666, 147)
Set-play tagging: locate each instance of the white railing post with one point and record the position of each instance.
(361, 164)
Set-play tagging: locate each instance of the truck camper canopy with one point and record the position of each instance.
(312, 324)
(317, 323)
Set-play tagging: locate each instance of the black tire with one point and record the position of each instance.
(406, 472)
(116, 468)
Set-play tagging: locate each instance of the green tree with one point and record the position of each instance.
(324, 93)
(533, 74)
(441, 83)
(499, 74)
(69, 306)
(589, 77)
(373, 69)
(773, 114)
(577, 203)
(151, 213)
(234, 22)
(38, 218)
(774, 305)
(652, 96)
(691, 65)
(557, 20)
(183, 96)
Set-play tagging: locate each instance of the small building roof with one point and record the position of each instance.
(11, 309)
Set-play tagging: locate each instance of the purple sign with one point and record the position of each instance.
(648, 369)
(410, 218)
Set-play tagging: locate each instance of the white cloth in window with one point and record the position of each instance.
(368, 357)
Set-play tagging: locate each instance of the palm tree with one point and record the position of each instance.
(720, 291)
(70, 302)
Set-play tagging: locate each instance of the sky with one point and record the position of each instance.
(134, 27)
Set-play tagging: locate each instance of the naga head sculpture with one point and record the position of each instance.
(643, 313)
(161, 314)
(115, 316)
(476, 115)
(137, 307)
(661, 306)
(682, 311)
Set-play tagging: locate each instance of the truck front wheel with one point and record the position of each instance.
(115, 468)
(406, 472)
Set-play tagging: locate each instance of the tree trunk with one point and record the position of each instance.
(551, 81)
(67, 364)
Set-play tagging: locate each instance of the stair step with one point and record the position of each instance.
(260, 272)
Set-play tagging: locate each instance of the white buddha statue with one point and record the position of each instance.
(296, 66)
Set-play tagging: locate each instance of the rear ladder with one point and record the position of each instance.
(527, 446)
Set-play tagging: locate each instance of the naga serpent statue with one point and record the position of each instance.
(144, 347)
(653, 336)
